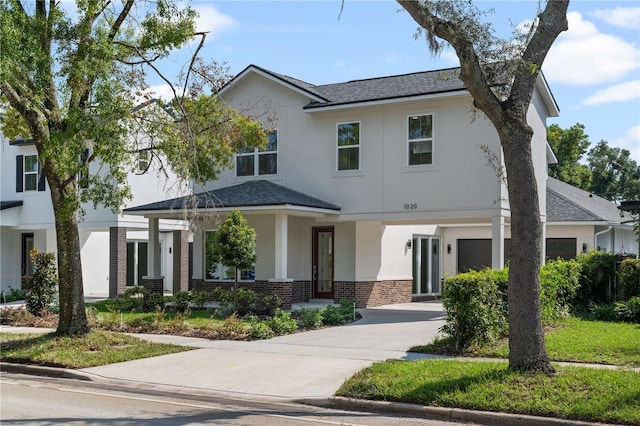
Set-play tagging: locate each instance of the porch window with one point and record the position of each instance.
(259, 161)
(348, 146)
(214, 270)
(420, 139)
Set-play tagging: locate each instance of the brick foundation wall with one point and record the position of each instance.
(289, 292)
(301, 291)
(369, 294)
(154, 285)
(282, 289)
(117, 261)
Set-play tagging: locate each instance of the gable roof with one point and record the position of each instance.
(247, 195)
(566, 203)
(380, 89)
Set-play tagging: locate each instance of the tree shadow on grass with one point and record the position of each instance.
(10, 350)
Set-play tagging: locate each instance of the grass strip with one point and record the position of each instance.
(90, 350)
(574, 393)
(574, 340)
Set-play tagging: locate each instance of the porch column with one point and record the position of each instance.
(117, 261)
(497, 242)
(180, 261)
(280, 285)
(154, 282)
(281, 246)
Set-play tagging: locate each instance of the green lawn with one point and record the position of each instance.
(574, 393)
(578, 340)
(93, 349)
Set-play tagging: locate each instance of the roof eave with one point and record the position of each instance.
(254, 69)
(306, 210)
(547, 96)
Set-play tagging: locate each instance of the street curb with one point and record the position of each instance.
(41, 370)
(442, 413)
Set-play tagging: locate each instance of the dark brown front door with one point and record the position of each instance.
(323, 263)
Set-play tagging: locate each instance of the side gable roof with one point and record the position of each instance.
(254, 193)
(566, 203)
(380, 89)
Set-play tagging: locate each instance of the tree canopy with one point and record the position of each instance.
(72, 79)
(569, 145)
(500, 75)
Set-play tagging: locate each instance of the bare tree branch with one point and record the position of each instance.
(193, 59)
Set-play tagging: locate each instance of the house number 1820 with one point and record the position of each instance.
(410, 206)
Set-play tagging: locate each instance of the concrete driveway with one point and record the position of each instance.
(303, 365)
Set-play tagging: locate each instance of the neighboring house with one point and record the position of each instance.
(578, 221)
(371, 189)
(113, 247)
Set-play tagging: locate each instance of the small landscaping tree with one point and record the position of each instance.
(43, 285)
(235, 246)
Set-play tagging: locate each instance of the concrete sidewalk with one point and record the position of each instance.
(305, 365)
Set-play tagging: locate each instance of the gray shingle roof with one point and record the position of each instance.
(374, 89)
(9, 204)
(392, 87)
(248, 194)
(566, 203)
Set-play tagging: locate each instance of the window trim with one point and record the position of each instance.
(408, 141)
(256, 153)
(358, 146)
(30, 173)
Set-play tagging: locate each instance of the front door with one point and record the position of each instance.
(322, 280)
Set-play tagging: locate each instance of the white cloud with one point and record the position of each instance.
(630, 141)
(618, 93)
(624, 17)
(584, 56)
(212, 20)
(160, 91)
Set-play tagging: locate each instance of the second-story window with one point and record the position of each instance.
(143, 161)
(348, 146)
(259, 161)
(30, 172)
(420, 138)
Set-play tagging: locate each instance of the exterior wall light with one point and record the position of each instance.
(448, 248)
(408, 245)
(584, 247)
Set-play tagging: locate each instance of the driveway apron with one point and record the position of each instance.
(312, 364)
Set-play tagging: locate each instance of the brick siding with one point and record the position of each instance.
(117, 261)
(180, 261)
(369, 294)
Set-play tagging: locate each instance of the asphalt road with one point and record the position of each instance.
(29, 400)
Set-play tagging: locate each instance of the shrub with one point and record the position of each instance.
(331, 315)
(259, 330)
(181, 301)
(14, 295)
(629, 311)
(41, 287)
(476, 308)
(233, 329)
(559, 284)
(201, 298)
(605, 312)
(597, 277)
(152, 301)
(629, 279)
(308, 318)
(282, 323)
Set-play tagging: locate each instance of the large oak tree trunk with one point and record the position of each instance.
(73, 318)
(527, 348)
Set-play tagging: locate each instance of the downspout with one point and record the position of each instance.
(597, 234)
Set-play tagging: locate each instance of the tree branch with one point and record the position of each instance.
(193, 59)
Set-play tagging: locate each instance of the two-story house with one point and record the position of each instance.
(114, 248)
(371, 189)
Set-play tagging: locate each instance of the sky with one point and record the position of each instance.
(593, 69)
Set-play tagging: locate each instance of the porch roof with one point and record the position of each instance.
(251, 195)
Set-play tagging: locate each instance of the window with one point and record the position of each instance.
(259, 161)
(420, 138)
(143, 160)
(30, 172)
(214, 270)
(563, 248)
(348, 146)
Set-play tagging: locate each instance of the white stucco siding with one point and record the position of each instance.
(10, 259)
(536, 118)
(299, 248)
(368, 250)
(397, 258)
(344, 257)
(94, 249)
